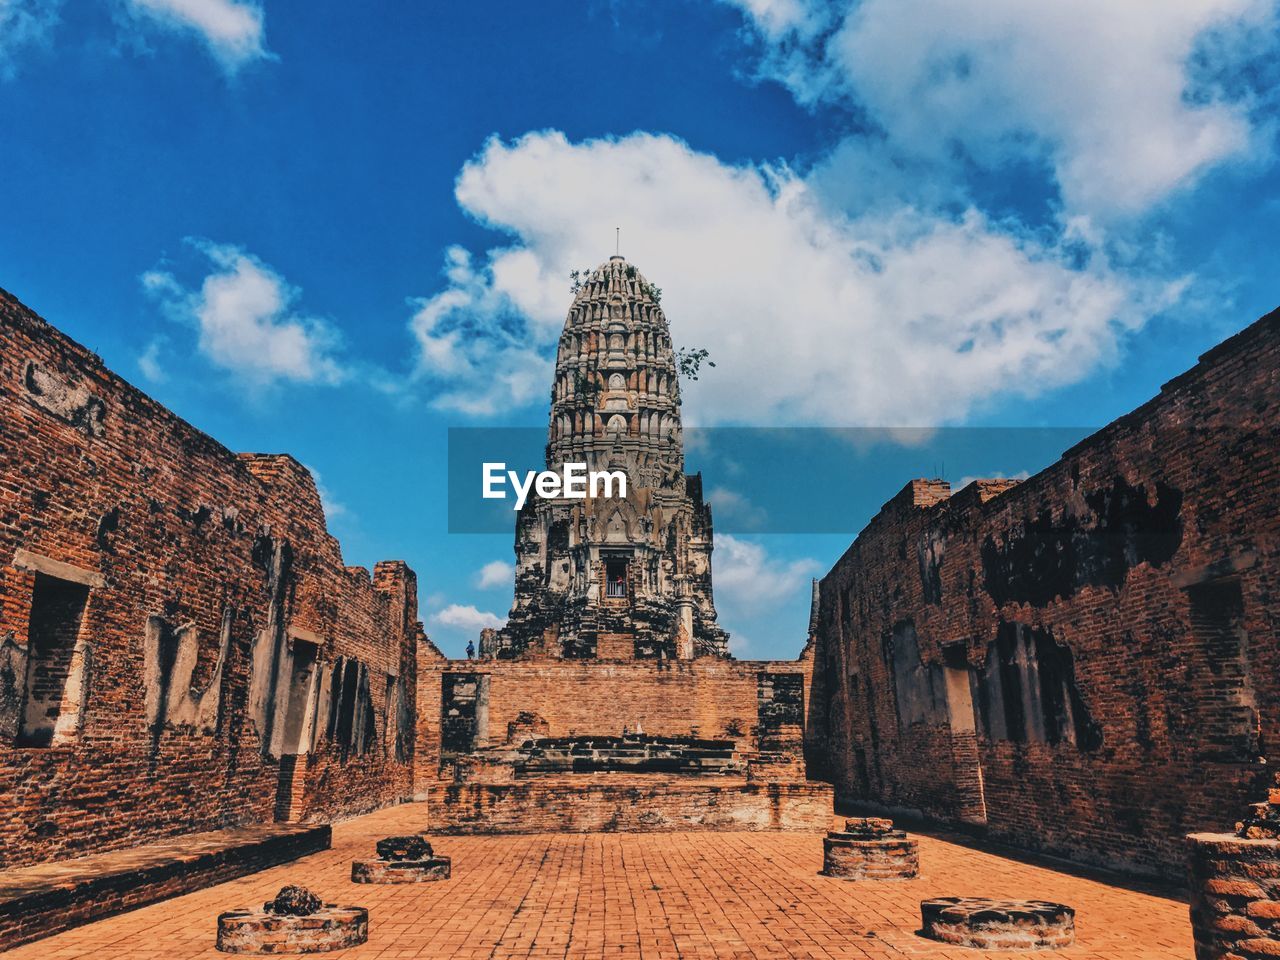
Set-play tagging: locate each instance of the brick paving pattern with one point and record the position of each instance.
(674, 895)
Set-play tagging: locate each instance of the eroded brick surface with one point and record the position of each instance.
(400, 871)
(181, 646)
(693, 895)
(989, 924)
(467, 706)
(586, 803)
(1235, 894)
(869, 848)
(325, 929)
(1085, 662)
(38, 900)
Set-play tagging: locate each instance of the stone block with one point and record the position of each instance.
(998, 924)
(401, 871)
(326, 928)
(412, 847)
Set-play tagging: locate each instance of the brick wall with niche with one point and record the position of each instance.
(181, 645)
(1086, 662)
(477, 704)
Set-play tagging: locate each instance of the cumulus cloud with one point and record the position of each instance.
(150, 362)
(497, 573)
(777, 19)
(742, 646)
(467, 618)
(24, 24)
(482, 341)
(1103, 94)
(813, 315)
(233, 30)
(748, 580)
(245, 317)
(736, 510)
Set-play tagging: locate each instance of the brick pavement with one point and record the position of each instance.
(713, 895)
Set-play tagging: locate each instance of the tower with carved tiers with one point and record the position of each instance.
(611, 577)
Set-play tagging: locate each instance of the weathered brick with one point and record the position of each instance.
(175, 598)
(1084, 662)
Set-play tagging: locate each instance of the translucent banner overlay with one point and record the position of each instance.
(775, 480)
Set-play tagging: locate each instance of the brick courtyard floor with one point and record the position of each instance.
(650, 896)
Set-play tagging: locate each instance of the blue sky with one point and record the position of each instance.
(338, 229)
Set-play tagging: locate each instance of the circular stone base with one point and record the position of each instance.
(852, 857)
(329, 928)
(1235, 904)
(998, 924)
(400, 871)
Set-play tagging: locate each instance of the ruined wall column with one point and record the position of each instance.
(1235, 896)
(1235, 886)
(684, 613)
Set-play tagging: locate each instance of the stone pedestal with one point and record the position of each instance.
(294, 922)
(1235, 886)
(407, 859)
(998, 924)
(1235, 896)
(869, 848)
(400, 871)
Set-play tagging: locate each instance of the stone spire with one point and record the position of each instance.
(814, 603)
(616, 396)
(611, 577)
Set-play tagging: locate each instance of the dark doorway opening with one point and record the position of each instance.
(615, 577)
(57, 609)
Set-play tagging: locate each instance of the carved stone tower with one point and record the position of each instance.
(609, 577)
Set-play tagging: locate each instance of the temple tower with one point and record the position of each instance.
(610, 577)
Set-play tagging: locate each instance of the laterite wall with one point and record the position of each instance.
(1087, 662)
(760, 703)
(174, 620)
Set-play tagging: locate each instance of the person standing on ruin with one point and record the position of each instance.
(471, 650)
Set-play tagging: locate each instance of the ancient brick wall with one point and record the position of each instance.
(32, 908)
(426, 767)
(759, 703)
(1086, 661)
(623, 804)
(174, 620)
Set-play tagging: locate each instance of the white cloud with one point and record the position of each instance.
(894, 317)
(747, 579)
(244, 314)
(232, 29)
(742, 646)
(735, 510)
(496, 573)
(479, 340)
(467, 618)
(24, 24)
(150, 364)
(778, 18)
(1102, 92)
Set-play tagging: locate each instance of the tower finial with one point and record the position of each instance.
(617, 241)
